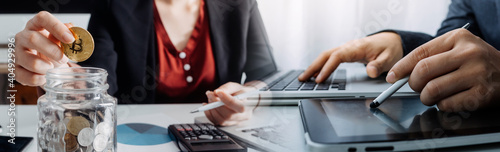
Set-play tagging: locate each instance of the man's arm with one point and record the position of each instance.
(411, 40)
(459, 13)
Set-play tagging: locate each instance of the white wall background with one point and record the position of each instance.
(300, 29)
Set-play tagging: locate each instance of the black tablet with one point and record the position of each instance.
(19, 143)
(401, 123)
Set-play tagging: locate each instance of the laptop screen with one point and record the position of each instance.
(260, 62)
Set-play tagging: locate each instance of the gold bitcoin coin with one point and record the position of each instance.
(76, 124)
(71, 143)
(83, 46)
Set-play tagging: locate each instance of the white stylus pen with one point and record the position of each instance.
(395, 87)
(220, 103)
(388, 93)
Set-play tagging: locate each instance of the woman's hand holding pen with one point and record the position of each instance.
(457, 71)
(234, 110)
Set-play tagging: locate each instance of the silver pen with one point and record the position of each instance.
(395, 87)
(216, 104)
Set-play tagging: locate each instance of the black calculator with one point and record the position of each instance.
(202, 137)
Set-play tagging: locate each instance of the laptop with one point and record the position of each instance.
(349, 80)
(400, 124)
(270, 129)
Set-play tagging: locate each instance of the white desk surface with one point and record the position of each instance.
(26, 120)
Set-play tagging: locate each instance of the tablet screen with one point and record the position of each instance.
(353, 118)
(406, 118)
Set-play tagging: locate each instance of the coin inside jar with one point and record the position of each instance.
(83, 46)
(100, 142)
(71, 143)
(104, 128)
(76, 124)
(86, 136)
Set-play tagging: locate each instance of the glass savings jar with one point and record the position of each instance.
(76, 113)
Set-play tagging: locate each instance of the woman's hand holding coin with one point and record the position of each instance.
(40, 46)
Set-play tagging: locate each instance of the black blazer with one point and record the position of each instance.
(125, 45)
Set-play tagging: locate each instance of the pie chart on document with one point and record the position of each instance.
(142, 134)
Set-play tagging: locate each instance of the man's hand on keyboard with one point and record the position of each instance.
(380, 51)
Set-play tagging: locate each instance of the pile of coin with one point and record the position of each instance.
(83, 46)
(82, 131)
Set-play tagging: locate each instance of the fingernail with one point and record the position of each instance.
(320, 75)
(391, 77)
(301, 75)
(68, 37)
(374, 68)
(218, 92)
(64, 60)
(208, 91)
(373, 71)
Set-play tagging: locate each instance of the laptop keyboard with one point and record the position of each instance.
(289, 82)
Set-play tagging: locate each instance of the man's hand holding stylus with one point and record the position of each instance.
(457, 71)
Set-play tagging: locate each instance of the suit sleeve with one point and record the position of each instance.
(259, 55)
(104, 55)
(459, 14)
(410, 40)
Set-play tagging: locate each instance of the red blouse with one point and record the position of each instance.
(185, 76)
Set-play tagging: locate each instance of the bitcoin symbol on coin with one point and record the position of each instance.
(77, 45)
(83, 46)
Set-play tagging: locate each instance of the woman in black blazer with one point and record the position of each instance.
(126, 46)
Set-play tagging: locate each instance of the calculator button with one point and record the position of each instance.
(217, 137)
(211, 127)
(206, 137)
(204, 132)
(187, 138)
(179, 128)
(203, 127)
(195, 127)
(187, 127)
(218, 132)
(225, 137)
